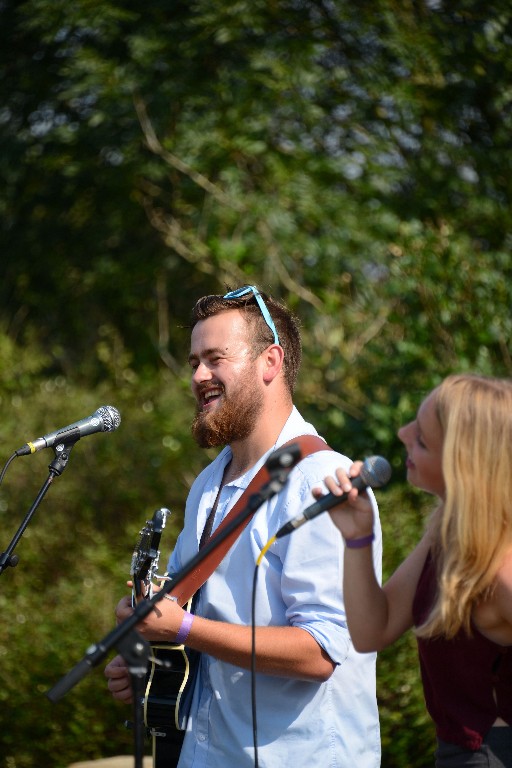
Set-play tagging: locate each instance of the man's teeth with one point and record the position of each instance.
(211, 394)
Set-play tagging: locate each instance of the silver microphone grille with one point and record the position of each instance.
(376, 471)
(110, 417)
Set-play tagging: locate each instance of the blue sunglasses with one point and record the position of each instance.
(261, 304)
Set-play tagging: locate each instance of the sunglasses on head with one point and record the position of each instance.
(261, 304)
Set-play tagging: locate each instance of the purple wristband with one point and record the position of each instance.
(364, 541)
(183, 631)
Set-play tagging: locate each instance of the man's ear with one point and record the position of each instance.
(273, 359)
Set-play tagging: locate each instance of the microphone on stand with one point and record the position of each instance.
(105, 419)
(375, 473)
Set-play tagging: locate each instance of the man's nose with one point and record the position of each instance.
(201, 373)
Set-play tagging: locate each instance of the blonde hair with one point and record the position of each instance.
(473, 526)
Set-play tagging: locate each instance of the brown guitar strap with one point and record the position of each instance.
(183, 591)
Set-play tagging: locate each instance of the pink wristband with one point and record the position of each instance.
(364, 541)
(184, 630)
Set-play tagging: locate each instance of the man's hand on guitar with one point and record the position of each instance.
(124, 609)
(119, 681)
(161, 625)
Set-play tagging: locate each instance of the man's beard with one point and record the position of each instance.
(233, 420)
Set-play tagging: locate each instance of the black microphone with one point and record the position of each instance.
(374, 473)
(105, 419)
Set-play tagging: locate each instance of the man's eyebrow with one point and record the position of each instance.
(206, 353)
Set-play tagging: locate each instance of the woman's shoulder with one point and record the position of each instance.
(503, 581)
(493, 616)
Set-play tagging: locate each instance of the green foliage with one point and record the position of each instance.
(353, 159)
(74, 556)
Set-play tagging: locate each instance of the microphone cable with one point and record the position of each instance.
(253, 650)
(6, 466)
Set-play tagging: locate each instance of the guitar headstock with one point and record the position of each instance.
(146, 555)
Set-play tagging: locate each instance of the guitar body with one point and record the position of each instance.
(168, 681)
(167, 748)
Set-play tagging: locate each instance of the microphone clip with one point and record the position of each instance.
(280, 463)
(61, 452)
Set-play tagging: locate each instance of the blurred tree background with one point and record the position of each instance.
(353, 159)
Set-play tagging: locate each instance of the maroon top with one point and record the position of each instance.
(460, 675)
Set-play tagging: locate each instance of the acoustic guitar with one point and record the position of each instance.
(169, 673)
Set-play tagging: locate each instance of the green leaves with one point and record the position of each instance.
(353, 159)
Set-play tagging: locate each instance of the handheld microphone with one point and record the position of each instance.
(375, 473)
(105, 419)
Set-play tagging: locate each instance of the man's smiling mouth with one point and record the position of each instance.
(209, 396)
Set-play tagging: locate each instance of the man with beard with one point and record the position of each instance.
(315, 696)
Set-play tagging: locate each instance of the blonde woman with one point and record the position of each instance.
(455, 588)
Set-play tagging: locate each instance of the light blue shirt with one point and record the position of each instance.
(299, 583)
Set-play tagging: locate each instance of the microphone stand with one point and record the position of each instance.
(128, 642)
(56, 467)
